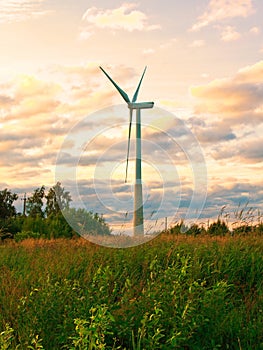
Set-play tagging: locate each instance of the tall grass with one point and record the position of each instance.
(175, 292)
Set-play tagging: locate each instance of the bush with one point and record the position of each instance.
(20, 236)
(218, 228)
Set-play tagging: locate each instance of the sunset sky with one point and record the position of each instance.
(204, 63)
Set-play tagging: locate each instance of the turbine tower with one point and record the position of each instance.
(138, 221)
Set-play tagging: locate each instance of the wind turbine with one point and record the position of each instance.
(138, 222)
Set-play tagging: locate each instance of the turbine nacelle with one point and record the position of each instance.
(140, 105)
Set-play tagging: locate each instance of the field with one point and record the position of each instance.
(174, 292)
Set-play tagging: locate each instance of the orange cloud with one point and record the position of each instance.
(122, 18)
(232, 96)
(254, 30)
(219, 10)
(149, 51)
(198, 43)
(229, 33)
(37, 113)
(251, 74)
(21, 10)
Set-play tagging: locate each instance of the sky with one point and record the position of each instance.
(62, 120)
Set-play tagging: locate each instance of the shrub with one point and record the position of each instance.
(218, 228)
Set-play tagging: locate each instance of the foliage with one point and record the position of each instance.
(196, 230)
(6, 338)
(34, 204)
(57, 199)
(86, 222)
(175, 292)
(47, 219)
(7, 208)
(218, 228)
(91, 334)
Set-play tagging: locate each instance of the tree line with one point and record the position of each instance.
(42, 215)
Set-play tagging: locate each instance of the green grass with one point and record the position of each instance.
(175, 292)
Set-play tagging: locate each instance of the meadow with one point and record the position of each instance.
(174, 292)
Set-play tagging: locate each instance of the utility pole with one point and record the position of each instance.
(24, 204)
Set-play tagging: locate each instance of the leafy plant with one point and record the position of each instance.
(91, 334)
(150, 334)
(6, 338)
(36, 344)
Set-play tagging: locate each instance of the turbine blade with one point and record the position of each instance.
(128, 149)
(138, 87)
(123, 93)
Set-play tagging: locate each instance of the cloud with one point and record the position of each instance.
(235, 197)
(85, 33)
(5, 100)
(245, 150)
(124, 17)
(254, 30)
(219, 10)
(252, 74)
(232, 111)
(239, 97)
(20, 10)
(214, 133)
(30, 97)
(229, 33)
(198, 43)
(37, 113)
(228, 97)
(148, 51)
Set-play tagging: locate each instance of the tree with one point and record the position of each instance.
(34, 206)
(57, 199)
(7, 209)
(218, 228)
(86, 222)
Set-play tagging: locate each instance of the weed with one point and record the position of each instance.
(91, 334)
(175, 292)
(6, 338)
